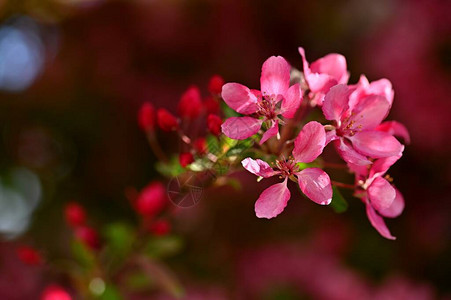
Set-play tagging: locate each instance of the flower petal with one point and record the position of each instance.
(332, 64)
(349, 155)
(273, 200)
(291, 101)
(396, 129)
(315, 184)
(310, 142)
(331, 136)
(336, 102)
(240, 128)
(369, 112)
(376, 144)
(258, 167)
(272, 131)
(382, 165)
(396, 208)
(378, 222)
(381, 193)
(275, 77)
(317, 82)
(240, 98)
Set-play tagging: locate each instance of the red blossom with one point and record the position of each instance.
(215, 84)
(185, 159)
(151, 199)
(75, 214)
(160, 227)
(214, 124)
(88, 236)
(166, 120)
(200, 145)
(211, 105)
(29, 255)
(55, 292)
(190, 104)
(146, 117)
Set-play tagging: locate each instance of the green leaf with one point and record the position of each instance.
(82, 254)
(163, 246)
(228, 112)
(110, 293)
(170, 169)
(338, 204)
(119, 238)
(213, 144)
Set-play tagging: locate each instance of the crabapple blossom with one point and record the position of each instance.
(146, 117)
(354, 131)
(275, 98)
(75, 214)
(166, 120)
(151, 199)
(215, 84)
(190, 104)
(323, 74)
(314, 182)
(29, 255)
(214, 124)
(185, 158)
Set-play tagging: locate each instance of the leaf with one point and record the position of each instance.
(228, 112)
(338, 204)
(163, 246)
(82, 254)
(110, 293)
(170, 169)
(213, 144)
(119, 238)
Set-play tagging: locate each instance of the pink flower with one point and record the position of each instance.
(314, 182)
(190, 104)
(324, 73)
(381, 198)
(262, 106)
(356, 125)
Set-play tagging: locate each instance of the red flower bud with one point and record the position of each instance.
(29, 255)
(88, 236)
(190, 104)
(211, 105)
(160, 227)
(200, 145)
(146, 117)
(151, 199)
(55, 292)
(75, 214)
(166, 120)
(214, 124)
(185, 159)
(215, 84)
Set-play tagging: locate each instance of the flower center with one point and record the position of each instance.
(287, 167)
(348, 128)
(267, 107)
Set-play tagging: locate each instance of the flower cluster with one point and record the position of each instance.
(275, 140)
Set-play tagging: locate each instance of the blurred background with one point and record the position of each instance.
(73, 74)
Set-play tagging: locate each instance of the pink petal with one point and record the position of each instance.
(396, 208)
(240, 98)
(258, 167)
(376, 144)
(315, 184)
(349, 155)
(240, 128)
(305, 64)
(331, 136)
(275, 77)
(382, 165)
(332, 64)
(317, 82)
(272, 131)
(336, 102)
(291, 101)
(382, 87)
(310, 142)
(378, 223)
(369, 112)
(381, 193)
(273, 200)
(396, 129)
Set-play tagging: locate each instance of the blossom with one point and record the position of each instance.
(166, 120)
(356, 119)
(381, 198)
(215, 84)
(314, 182)
(214, 124)
(200, 145)
(185, 158)
(55, 292)
(190, 104)
(324, 73)
(151, 199)
(146, 117)
(29, 255)
(275, 98)
(75, 214)
(160, 227)
(88, 236)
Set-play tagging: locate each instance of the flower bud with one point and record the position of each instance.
(185, 159)
(190, 104)
(151, 200)
(214, 124)
(215, 84)
(200, 145)
(88, 236)
(211, 105)
(29, 255)
(75, 214)
(166, 120)
(146, 117)
(160, 227)
(54, 292)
